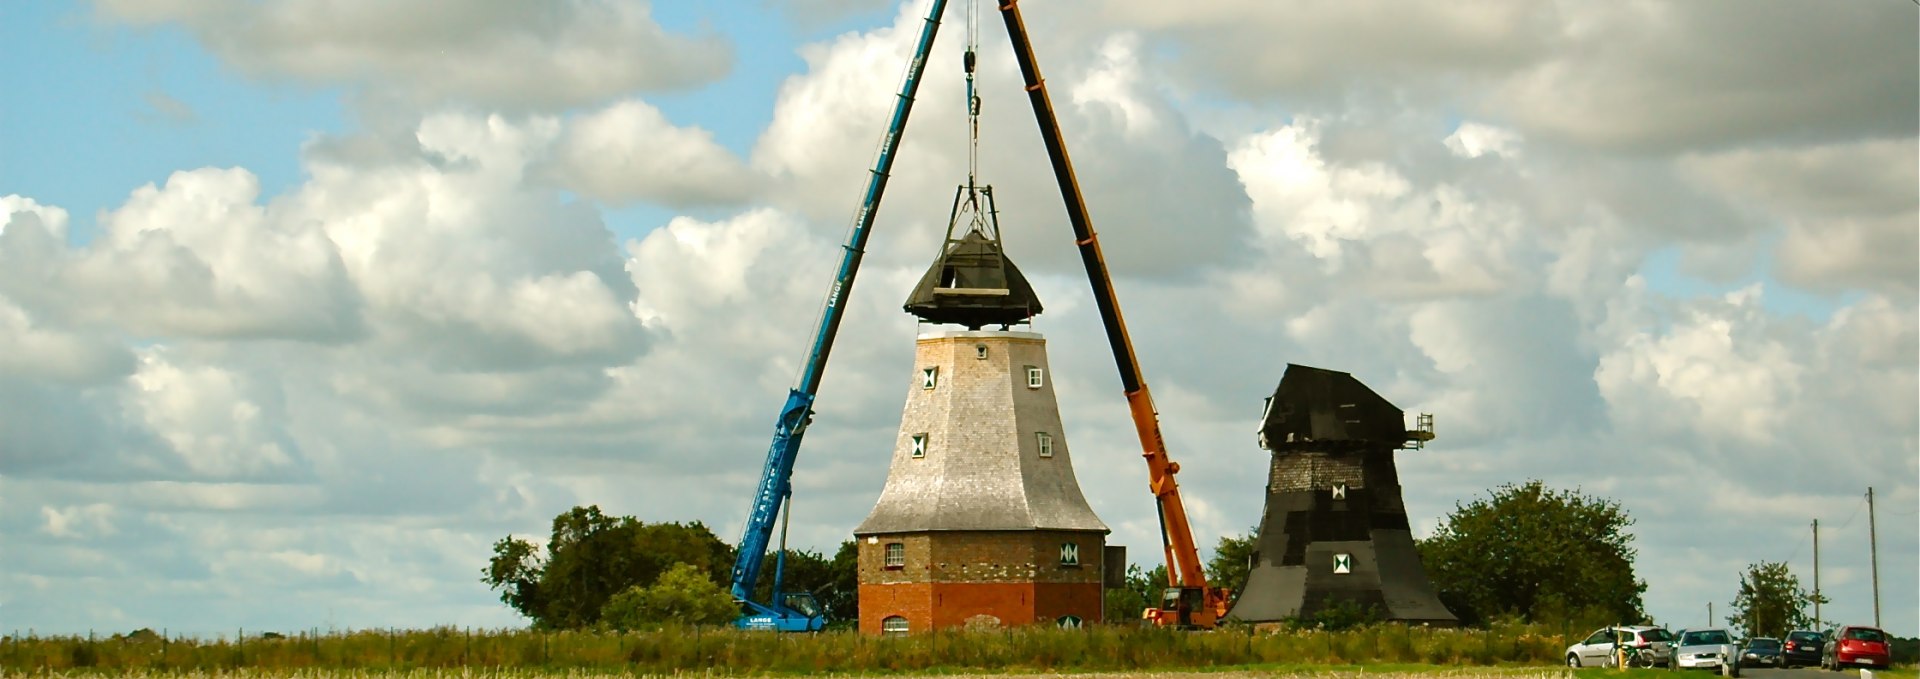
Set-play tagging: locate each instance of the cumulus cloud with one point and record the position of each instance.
(509, 54)
(629, 151)
(476, 353)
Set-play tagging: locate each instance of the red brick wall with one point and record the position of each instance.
(951, 577)
(938, 605)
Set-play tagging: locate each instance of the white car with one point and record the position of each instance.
(1707, 648)
(1597, 650)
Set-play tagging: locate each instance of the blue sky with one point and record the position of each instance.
(451, 311)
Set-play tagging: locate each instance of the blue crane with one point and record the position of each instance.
(798, 611)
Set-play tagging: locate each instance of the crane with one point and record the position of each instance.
(1188, 600)
(798, 611)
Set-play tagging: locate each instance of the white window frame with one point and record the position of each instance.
(929, 377)
(1045, 443)
(1036, 377)
(894, 554)
(1342, 564)
(980, 351)
(919, 446)
(894, 624)
(1069, 553)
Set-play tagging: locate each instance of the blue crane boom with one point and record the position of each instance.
(798, 612)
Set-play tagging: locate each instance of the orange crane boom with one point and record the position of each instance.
(1189, 601)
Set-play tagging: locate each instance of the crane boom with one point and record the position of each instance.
(1190, 601)
(776, 479)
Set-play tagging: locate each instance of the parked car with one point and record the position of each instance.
(1597, 650)
(1803, 647)
(1706, 648)
(1760, 652)
(1856, 645)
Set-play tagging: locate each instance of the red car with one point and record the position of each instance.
(1856, 645)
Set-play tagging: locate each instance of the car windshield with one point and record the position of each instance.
(1866, 634)
(1764, 644)
(1704, 638)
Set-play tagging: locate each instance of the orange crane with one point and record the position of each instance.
(1188, 601)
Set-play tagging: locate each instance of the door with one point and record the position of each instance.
(1597, 650)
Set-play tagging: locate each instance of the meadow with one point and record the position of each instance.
(729, 652)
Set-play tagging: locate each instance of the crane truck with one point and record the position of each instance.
(1188, 601)
(799, 611)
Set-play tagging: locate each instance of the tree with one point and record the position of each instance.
(1771, 602)
(684, 595)
(1536, 553)
(1233, 560)
(591, 557)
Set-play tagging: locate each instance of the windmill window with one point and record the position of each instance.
(919, 445)
(1342, 564)
(1045, 441)
(1069, 622)
(1339, 490)
(980, 351)
(1069, 554)
(1034, 379)
(929, 377)
(893, 625)
(896, 555)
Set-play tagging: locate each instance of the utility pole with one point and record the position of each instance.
(1816, 574)
(1709, 614)
(1873, 545)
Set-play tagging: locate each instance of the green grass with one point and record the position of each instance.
(1035, 649)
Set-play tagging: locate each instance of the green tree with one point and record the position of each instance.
(684, 595)
(1539, 554)
(1233, 560)
(1771, 602)
(590, 557)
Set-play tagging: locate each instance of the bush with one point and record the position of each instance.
(683, 596)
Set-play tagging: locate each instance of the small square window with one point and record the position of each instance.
(1046, 443)
(980, 351)
(929, 377)
(1034, 380)
(896, 555)
(1069, 554)
(1342, 564)
(1340, 490)
(919, 445)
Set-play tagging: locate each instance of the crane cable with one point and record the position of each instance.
(970, 62)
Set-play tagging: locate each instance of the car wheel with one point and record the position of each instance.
(1573, 661)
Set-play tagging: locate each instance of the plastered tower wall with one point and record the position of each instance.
(981, 511)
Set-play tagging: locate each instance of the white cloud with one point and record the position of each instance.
(344, 392)
(540, 56)
(629, 151)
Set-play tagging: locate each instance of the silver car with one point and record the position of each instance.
(1597, 650)
(1706, 648)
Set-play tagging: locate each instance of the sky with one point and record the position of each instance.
(304, 304)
